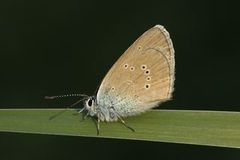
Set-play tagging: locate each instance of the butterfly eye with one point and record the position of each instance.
(90, 102)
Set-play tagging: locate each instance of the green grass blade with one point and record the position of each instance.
(191, 127)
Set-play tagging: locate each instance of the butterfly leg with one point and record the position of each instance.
(81, 110)
(123, 122)
(97, 123)
(87, 114)
(84, 116)
(98, 126)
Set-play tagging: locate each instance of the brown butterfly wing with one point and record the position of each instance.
(144, 75)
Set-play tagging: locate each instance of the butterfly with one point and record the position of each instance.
(141, 79)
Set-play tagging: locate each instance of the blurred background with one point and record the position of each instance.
(63, 47)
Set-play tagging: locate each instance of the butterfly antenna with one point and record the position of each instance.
(66, 95)
(63, 96)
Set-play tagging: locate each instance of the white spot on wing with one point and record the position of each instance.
(139, 48)
(148, 78)
(143, 67)
(132, 68)
(147, 86)
(147, 72)
(125, 66)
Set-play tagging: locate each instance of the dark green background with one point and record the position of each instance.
(62, 47)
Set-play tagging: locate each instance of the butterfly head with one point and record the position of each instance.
(90, 105)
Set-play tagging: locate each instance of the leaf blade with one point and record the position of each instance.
(212, 128)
